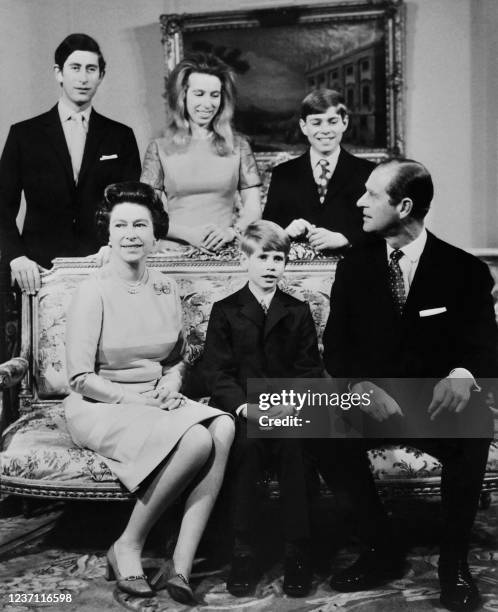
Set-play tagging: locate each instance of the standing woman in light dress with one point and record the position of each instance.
(125, 345)
(201, 164)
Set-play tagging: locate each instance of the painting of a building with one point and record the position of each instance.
(360, 76)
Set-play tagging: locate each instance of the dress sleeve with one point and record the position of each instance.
(174, 364)
(83, 330)
(152, 172)
(248, 172)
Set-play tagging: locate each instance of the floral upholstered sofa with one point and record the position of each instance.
(38, 457)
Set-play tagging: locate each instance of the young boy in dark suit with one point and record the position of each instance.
(262, 332)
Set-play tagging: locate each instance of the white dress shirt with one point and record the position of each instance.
(261, 296)
(411, 256)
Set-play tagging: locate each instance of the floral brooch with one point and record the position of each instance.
(162, 287)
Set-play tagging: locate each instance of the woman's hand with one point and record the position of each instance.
(169, 398)
(217, 237)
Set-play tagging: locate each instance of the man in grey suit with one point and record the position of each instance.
(62, 160)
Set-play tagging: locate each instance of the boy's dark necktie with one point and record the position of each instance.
(323, 179)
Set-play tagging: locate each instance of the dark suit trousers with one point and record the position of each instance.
(344, 464)
(249, 459)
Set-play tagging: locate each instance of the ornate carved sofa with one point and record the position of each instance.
(38, 457)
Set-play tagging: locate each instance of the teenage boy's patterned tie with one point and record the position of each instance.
(264, 307)
(396, 284)
(323, 179)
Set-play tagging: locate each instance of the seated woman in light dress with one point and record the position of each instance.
(201, 164)
(124, 346)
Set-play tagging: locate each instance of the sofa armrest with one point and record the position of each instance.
(12, 371)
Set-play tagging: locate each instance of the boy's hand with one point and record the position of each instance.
(321, 239)
(298, 227)
(26, 273)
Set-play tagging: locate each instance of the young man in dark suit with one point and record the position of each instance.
(314, 195)
(62, 160)
(412, 307)
(262, 332)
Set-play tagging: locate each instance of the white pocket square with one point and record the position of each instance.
(432, 311)
(104, 157)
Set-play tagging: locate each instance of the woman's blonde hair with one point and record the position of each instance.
(178, 127)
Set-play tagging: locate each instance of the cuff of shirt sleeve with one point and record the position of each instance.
(241, 411)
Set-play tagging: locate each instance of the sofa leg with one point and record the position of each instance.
(484, 500)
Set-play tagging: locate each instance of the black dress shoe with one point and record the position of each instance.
(297, 576)
(372, 569)
(458, 589)
(243, 575)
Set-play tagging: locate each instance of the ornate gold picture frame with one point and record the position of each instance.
(280, 54)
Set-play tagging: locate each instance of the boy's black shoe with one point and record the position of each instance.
(297, 576)
(243, 576)
(373, 568)
(458, 589)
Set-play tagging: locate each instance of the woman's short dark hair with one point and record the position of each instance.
(132, 192)
(78, 42)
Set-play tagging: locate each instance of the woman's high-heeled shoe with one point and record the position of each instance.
(134, 585)
(176, 584)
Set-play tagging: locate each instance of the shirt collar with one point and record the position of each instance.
(412, 250)
(316, 157)
(65, 112)
(260, 296)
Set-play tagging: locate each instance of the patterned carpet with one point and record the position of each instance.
(70, 559)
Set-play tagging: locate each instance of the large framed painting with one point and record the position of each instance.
(280, 54)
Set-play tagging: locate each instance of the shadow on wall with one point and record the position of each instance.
(149, 60)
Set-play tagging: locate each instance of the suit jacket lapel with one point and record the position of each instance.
(96, 131)
(342, 174)
(53, 128)
(276, 313)
(308, 182)
(250, 308)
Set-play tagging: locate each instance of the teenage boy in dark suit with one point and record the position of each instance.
(314, 196)
(62, 160)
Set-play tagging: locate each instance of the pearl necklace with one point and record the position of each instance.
(136, 286)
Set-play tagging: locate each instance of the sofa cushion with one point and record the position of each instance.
(38, 447)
